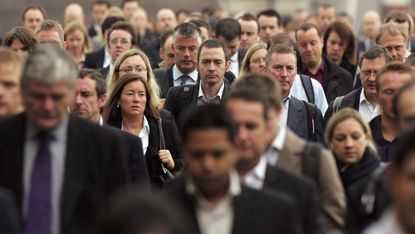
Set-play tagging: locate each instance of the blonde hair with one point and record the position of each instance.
(76, 25)
(113, 75)
(345, 114)
(247, 59)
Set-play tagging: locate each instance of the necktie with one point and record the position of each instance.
(39, 206)
(183, 79)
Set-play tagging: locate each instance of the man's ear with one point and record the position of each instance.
(102, 100)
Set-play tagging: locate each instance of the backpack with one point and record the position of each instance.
(311, 160)
(308, 87)
(311, 120)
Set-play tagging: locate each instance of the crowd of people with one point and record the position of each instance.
(201, 122)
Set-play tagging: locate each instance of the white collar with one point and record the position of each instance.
(146, 128)
(234, 57)
(177, 74)
(279, 140)
(234, 188)
(256, 176)
(220, 92)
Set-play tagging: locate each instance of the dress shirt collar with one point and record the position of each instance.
(145, 131)
(101, 121)
(107, 58)
(177, 74)
(234, 57)
(256, 176)
(233, 190)
(276, 146)
(220, 92)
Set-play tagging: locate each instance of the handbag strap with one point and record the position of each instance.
(162, 142)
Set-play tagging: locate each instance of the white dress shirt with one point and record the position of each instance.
(387, 224)
(202, 95)
(143, 134)
(107, 58)
(234, 66)
(297, 90)
(366, 109)
(58, 152)
(272, 153)
(284, 110)
(177, 74)
(256, 176)
(215, 219)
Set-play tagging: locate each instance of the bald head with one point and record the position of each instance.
(166, 20)
(371, 24)
(74, 11)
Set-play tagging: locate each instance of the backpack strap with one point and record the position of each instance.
(336, 104)
(308, 87)
(311, 160)
(311, 120)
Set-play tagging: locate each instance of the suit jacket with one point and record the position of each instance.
(95, 60)
(350, 100)
(180, 99)
(297, 120)
(304, 194)
(164, 77)
(254, 211)
(94, 167)
(329, 186)
(336, 81)
(9, 220)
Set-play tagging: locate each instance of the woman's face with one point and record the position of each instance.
(257, 61)
(349, 141)
(133, 64)
(75, 41)
(335, 47)
(133, 98)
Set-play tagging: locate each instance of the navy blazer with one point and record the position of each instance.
(181, 99)
(304, 193)
(254, 211)
(95, 60)
(297, 120)
(94, 167)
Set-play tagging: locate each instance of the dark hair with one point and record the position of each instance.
(248, 17)
(228, 28)
(403, 150)
(307, 26)
(126, 1)
(207, 117)
(374, 52)
(397, 96)
(164, 36)
(132, 211)
(112, 114)
(201, 23)
(109, 21)
(270, 13)
(102, 2)
(126, 27)
(399, 17)
(100, 85)
(212, 43)
(33, 7)
(26, 36)
(346, 35)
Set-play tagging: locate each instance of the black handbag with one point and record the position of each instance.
(166, 176)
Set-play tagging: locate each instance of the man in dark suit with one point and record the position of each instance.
(90, 97)
(229, 32)
(60, 168)
(335, 80)
(97, 12)
(281, 64)
(186, 41)
(211, 187)
(101, 58)
(363, 99)
(212, 64)
(250, 112)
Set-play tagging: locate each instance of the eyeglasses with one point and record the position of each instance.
(122, 41)
(132, 69)
(369, 73)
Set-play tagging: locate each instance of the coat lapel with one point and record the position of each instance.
(295, 115)
(290, 156)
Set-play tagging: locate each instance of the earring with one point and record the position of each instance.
(118, 105)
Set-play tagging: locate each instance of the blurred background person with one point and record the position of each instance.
(128, 7)
(394, 38)
(98, 9)
(370, 25)
(269, 22)
(74, 12)
(326, 15)
(20, 38)
(350, 139)
(340, 46)
(76, 37)
(166, 49)
(249, 30)
(11, 64)
(32, 16)
(131, 108)
(254, 60)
